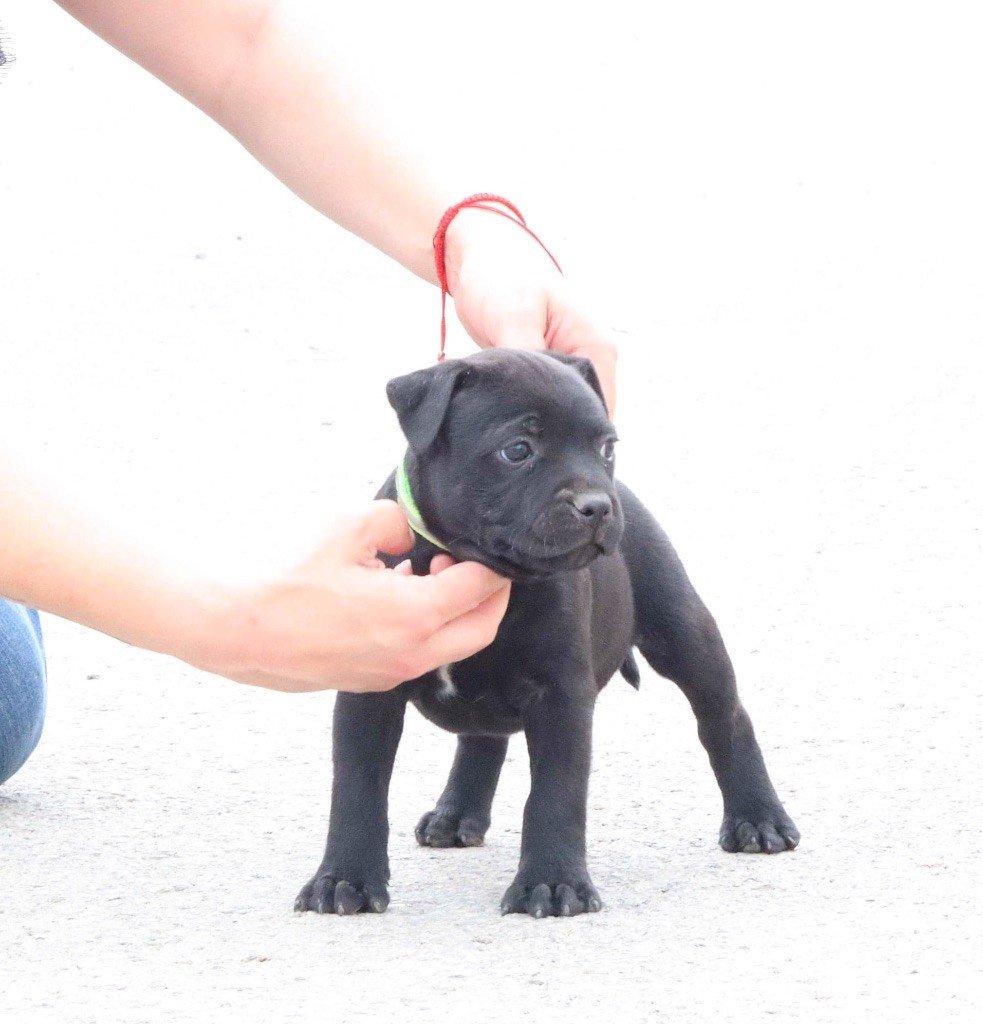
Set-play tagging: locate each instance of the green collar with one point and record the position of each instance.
(406, 501)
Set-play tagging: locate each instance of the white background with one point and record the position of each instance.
(779, 206)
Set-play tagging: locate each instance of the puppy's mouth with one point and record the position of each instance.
(519, 562)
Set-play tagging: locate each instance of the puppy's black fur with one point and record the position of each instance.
(511, 464)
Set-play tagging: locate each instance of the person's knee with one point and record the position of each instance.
(22, 686)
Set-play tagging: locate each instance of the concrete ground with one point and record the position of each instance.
(783, 218)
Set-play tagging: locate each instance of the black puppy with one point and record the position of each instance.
(511, 463)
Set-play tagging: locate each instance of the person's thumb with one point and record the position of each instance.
(519, 336)
(360, 537)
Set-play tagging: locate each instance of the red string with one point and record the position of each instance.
(479, 201)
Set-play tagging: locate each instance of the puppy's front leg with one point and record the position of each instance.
(355, 869)
(552, 879)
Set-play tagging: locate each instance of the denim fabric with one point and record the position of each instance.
(22, 686)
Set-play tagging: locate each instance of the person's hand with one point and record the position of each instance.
(342, 620)
(508, 294)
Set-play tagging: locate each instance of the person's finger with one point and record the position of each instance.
(573, 328)
(460, 588)
(605, 359)
(439, 563)
(470, 632)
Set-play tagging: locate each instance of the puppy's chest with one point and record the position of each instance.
(476, 696)
(536, 648)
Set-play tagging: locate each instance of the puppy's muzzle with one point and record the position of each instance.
(593, 506)
(582, 518)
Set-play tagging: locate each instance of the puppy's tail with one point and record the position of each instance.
(629, 669)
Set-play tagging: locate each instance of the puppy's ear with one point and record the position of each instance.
(421, 400)
(586, 370)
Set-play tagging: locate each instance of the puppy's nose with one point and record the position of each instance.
(593, 505)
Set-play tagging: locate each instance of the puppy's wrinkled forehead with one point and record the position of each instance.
(497, 386)
(536, 391)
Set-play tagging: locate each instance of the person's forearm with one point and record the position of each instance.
(280, 83)
(301, 98)
(59, 558)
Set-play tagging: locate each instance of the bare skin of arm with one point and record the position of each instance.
(339, 619)
(274, 75)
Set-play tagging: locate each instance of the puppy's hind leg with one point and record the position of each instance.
(678, 637)
(463, 812)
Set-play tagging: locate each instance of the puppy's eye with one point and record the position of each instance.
(607, 450)
(518, 451)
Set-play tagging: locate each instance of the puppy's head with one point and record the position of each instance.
(512, 460)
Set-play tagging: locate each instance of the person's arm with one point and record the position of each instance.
(269, 72)
(336, 620)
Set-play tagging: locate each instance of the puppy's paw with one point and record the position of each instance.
(566, 898)
(445, 828)
(327, 894)
(769, 831)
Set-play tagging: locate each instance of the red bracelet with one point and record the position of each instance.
(479, 201)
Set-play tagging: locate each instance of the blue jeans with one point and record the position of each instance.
(22, 686)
